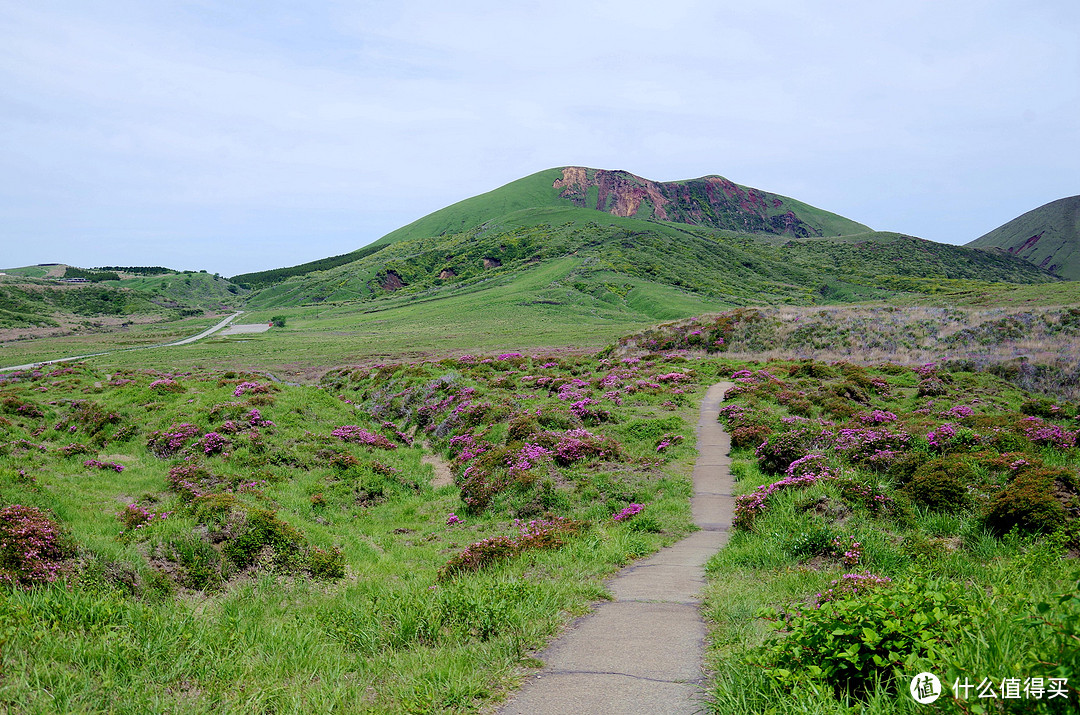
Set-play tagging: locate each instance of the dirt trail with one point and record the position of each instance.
(643, 652)
(443, 476)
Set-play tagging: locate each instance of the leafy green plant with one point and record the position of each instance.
(865, 639)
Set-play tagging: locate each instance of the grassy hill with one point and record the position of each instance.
(1048, 237)
(32, 297)
(709, 201)
(611, 252)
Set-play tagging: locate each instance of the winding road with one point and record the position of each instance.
(185, 341)
(643, 652)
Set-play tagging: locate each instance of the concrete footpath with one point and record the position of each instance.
(643, 652)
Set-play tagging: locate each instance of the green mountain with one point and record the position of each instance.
(710, 201)
(622, 242)
(1048, 237)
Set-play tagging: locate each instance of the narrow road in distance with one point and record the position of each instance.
(185, 341)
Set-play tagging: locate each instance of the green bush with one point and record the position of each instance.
(257, 529)
(938, 485)
(867, 637)
(1029, 502)
(325, 563)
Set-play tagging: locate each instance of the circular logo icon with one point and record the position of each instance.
(925, 688)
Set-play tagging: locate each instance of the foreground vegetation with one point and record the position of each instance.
(215, 542)
(399, 537)
(897, 520)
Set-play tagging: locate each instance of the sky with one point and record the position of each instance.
(253, 134)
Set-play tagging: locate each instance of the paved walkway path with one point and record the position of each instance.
(185, 341)
(643, 652)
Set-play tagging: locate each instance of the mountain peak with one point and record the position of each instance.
(712, 201)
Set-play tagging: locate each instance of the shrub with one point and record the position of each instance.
(861, 636)
(932, 387)
(1030, 502)
(811, 369)
(323, 563)
(257, 529)
(777, 452)
(134, 517)
(937, 487)
(200, 564)
(749, 436)
(192, 481)
(32, 546)
(576, 445)
(166, 385)
(213, 443)
(166, 443)
(355, 433)
(537, 534)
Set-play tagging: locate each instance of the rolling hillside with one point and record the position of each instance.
(1048, 237)
(711, 240)
(36, 297)
(711, 201)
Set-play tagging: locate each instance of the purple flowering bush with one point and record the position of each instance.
(166, 443)
(33, 548)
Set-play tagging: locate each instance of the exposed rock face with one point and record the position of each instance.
(713, 201)
(447, 274)
(391, 282)
(492, 263)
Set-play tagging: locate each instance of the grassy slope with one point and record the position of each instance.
(187, 291)
(1059, 245)
(524, 202)
(555, 314)
(28, 302)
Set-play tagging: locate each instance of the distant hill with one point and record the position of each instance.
(1048, 237)
(53, 295)
(711, 202)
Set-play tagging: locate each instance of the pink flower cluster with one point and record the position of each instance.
(849, 553)
(355, 433)
(115, 466)
(1042, 433)
(166, 384)
(527, 457)
(136, 517)
(628, 512)
(467, 447)
(252, 387)
(213, 443)
(941, 437)
(167, 443)
(668, 440)
(749, 506)
(452, 519)
(255, 419)
(878, 417)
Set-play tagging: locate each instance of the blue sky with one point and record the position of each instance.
(239, 136)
